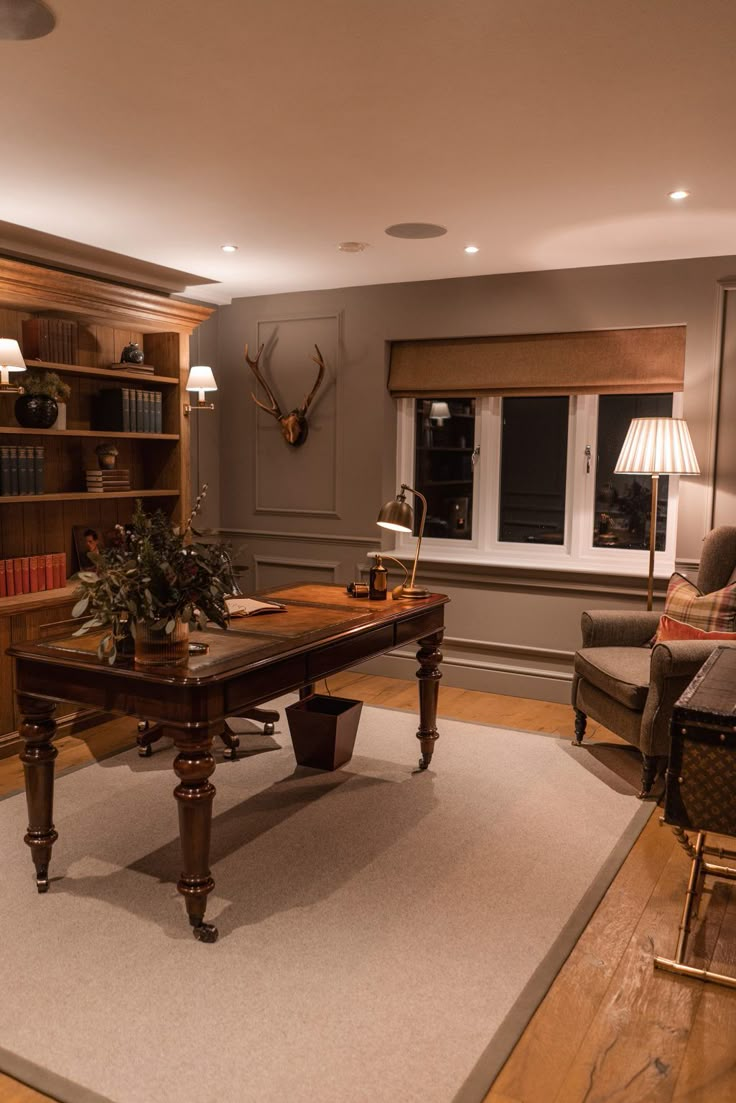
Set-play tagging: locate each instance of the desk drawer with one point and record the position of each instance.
(349, 651)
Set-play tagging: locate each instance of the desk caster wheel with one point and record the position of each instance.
(423, 762)
(231, 753)
(205, 932)
(145, 752)
(268, 729)
(42, 880)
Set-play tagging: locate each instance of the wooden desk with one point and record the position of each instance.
(322, 632)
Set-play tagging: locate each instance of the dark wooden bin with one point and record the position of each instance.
(323, 730)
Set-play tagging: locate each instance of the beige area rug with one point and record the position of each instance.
(384, 934)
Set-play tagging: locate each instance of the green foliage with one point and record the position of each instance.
(45, 384)
(153, 573)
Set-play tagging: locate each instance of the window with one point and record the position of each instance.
(530, 481)
(444, 451)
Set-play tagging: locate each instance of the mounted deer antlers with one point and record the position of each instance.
(294, 427)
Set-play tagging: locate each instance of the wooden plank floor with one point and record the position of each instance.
(610, 1029)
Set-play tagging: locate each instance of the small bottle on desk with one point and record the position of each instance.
(378, 581)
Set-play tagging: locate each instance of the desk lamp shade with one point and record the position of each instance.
(11, 359)
(656, 446)
(398, 516)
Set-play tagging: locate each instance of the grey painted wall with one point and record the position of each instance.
(506, 632)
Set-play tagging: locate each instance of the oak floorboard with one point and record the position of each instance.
(708, 1071)
(635, 1045)
(536, 1069)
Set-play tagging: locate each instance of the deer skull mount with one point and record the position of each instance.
(294, 427)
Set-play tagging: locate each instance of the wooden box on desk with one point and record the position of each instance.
(701, 776)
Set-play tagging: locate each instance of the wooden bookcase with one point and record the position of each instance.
(108, 316)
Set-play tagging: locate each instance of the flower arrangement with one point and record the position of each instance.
(152, 573)
(44, 384)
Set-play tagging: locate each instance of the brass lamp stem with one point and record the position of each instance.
(411, 590)
(652, 541)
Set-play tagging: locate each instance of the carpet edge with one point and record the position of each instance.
(44, 1080)
(494, 1056)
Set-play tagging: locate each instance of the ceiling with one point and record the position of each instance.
(547, 134)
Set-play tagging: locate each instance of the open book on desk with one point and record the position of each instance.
(251, 606)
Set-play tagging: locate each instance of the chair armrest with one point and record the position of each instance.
(674, 665)
(682, 658)
(611, 628)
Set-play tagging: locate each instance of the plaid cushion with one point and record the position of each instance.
(714, 612)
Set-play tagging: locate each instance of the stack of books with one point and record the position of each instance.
(117, 479)
(21, 469)
(29, 574)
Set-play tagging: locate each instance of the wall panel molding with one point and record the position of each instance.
(301, 537)
(322, 566)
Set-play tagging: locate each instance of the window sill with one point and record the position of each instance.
(473, 561)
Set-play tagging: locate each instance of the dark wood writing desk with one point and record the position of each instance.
(322, 632)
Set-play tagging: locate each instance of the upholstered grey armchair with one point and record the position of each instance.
(631, 688)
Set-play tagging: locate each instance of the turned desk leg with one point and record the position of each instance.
(38, 728)
(194, 765)
(429, 658)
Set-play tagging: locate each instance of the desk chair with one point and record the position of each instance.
(148, 733)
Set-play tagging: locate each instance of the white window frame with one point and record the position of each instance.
(577, 552)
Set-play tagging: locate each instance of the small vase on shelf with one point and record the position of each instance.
(60, 422)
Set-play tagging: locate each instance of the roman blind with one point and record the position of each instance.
(604, 361)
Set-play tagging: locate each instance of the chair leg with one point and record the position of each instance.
(649, 767)
(581, 722)
(148, 734)
(267, 717)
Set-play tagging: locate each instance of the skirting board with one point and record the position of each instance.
(512, 681)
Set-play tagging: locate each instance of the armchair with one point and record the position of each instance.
(630, 688)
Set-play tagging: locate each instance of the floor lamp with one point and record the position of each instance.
(656, 446)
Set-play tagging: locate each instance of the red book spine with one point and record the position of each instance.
(33, 573)
(18, 576)
(49, 565)
(62, 558)
(58, 580)
(41, 571)
(26, 574)
(9, 577)
(3, 583)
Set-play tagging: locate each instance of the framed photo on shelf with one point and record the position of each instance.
(87, 538)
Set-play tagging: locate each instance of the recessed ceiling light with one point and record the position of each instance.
(24, 19)
(471, 248)
(229, 248)
(352, 246)
(415, 230)
(679, 194)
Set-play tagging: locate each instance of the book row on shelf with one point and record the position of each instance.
(51, 339)
(30, 574)
(129, 410)
(21, 469)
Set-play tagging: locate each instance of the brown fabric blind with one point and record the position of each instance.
(605, 361)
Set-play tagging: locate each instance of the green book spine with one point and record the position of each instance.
(38, 468)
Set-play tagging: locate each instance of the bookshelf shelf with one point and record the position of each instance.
(101, 434)
(86, 496)
(103, 373)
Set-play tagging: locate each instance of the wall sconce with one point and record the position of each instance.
(200, 380)
(656, 446)
(398, 516)
(11, 359)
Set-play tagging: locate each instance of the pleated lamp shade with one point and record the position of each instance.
(657, 446)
